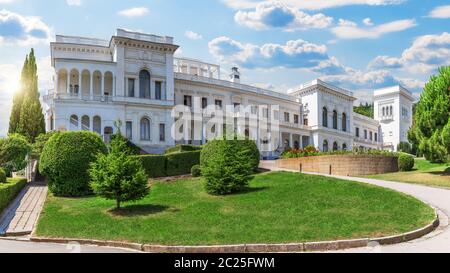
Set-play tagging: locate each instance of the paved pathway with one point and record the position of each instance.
(437, 241)
(21, 215)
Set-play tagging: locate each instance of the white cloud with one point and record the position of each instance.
(441, 12)
(269, 15)
(74, 2)
(346, 23)
(355, 32)
(7, 1)
(23, 30)
(426, 54)
(311, 4)
(193, 35)
(134, 12)
(367, 22)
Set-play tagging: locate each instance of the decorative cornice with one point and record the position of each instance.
(165, 48)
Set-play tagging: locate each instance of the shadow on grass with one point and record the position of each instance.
(249, 190)
(140, 210)
(445, 172)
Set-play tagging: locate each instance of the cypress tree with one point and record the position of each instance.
(27, 118)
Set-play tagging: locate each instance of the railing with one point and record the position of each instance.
(327, 85)
(105, 99)
(144, 37)
(81, 40)
(248, 88)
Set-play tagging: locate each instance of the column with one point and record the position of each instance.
(300, 142)
(79, 85)
(91, 86)
(114, 86)
(291, 141)
(102, 88)
(56, 91)
(68, 83)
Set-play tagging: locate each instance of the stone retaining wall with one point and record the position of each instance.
(344, 165)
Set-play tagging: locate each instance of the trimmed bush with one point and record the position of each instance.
(226, 166)
(405, 162)
(13, 153)
(9, 191)
(130, 147)
(2, 176)
(196, 171)
(154, 165)
(183, 148)
(181, 163)
(253, 152)
(65, 161)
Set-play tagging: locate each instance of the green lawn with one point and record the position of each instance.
(276, 208)
(425, 172)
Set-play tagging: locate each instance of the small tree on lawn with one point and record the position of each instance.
(118, 176)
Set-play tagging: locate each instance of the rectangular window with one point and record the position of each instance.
(236, 106)
(204, 103)
(265, 113)
(305, 122)
(371, 136)
(287, 117)
(357, 132)
(365, 134)
(296, 119)
(254, 110)
(131, 88)
(129, 130)
(188, 101)
(218, 103)
(376, 137)
(158, 89)
(162, 132)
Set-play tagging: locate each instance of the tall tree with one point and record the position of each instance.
(431, 130)
(27, 118)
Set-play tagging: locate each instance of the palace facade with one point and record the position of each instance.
(135, 78)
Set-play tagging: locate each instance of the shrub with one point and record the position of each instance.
(181, 163)
(118, 176)
(196, 171)
(226, 166)
(130, 147)
(253, 152)
(2, 176)
(65, 161)
(183, 148)
(404, 147)
(38, 146)
(9, 191)
(13, 153)
(154, 165)
(405, 162)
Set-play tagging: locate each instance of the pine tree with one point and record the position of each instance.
(26, 117)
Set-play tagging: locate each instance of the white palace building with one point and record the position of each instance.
(135, 78)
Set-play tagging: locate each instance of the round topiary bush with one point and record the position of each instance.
(2, 176)
(65, 162)
(405, 162)
(196, 171)
(226, 165)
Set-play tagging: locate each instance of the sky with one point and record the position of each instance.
(360, 45)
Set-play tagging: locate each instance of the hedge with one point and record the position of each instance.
(172, 164)
(183, 148)
(405, 162)
(9, 191)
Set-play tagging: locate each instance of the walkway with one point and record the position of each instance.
(437, 241)
(21, 215)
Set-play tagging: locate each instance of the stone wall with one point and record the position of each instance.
(345, 165)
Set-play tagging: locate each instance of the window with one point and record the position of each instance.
(265, 113)
(85, 123)
(254, 109)
(144, 84)
(325, 146)
(325, 117)
(305, 121)
(145, 129)
(162, 132)
(390, 111)
(158, 90)
(97, 125)
(204, 103)
(296, 119)
(376, 137)
(344, 147)
(357, 132)
(218, 103)
(287, 117)
(384, 111)
(344, 122)
(236, 106)
(335, 120)
(129, 130)
(74, 123)
(188, 101)
(335, 146)
(371, 136)
(131, 88)
(365, 134)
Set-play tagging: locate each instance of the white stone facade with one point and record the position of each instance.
(135, 78)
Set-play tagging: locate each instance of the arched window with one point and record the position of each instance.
(344, 122)
(145, 129)
(85, 123)
(325, 146)
(325, 117)
(344, 147)
(390, 111)
(335, 120)
(384, 111)
(335, 146)
(144, 84)
(97, 124)
(73, 123)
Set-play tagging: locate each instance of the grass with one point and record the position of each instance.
(425, 172)
(276, 208)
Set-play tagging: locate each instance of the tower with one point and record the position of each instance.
(393, 109)
(235, 75)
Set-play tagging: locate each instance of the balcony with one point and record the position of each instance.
(387, 118)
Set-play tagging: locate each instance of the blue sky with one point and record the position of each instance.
(356, 44)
